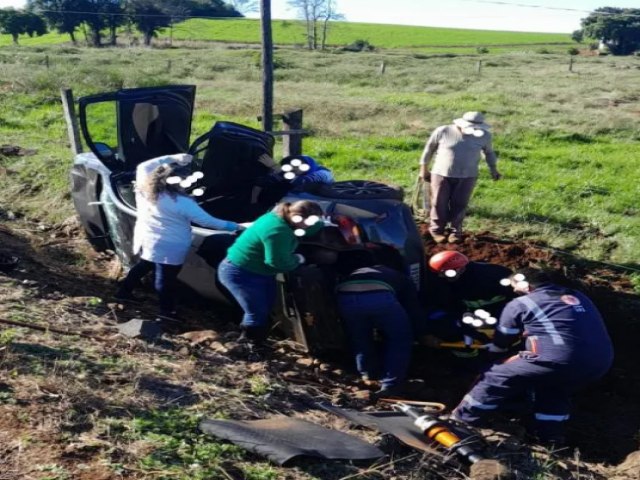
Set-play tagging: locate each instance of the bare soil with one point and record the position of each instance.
(67, 404)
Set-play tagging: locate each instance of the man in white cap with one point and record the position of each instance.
(457, 149)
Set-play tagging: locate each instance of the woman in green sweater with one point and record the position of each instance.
(265, 249)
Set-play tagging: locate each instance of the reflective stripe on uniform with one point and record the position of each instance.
(475, 403)
(543, 319)
(508, 331)
(551, 418)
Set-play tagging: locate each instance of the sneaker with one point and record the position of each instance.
(455, 238)
(395, 392)
(438, 237)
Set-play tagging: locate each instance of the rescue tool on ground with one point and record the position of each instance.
(439, 431)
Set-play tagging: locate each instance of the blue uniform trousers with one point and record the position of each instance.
(547, 384)
(364, 312)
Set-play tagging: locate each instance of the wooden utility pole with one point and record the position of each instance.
(267, 66)
(292, 141)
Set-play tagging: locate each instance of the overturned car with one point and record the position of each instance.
(127, 127)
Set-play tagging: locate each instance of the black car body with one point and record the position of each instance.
(125, 128)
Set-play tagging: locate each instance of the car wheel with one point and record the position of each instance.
(360, 190)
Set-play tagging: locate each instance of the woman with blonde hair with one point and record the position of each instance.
(265, 249)
(162, 234)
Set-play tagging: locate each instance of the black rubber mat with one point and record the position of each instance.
(282, 439)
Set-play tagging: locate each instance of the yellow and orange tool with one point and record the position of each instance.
(438, 431)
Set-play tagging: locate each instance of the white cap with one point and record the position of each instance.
(481, 313)
(296, 162)
(198, 175)
(174, 180)
(490, 321)
(518, 277)
(296, 218)
(477, 323)
(299, 232)
(304, 167)
(505, 282)
(450, 273)
(198, 192)
(289, 175)
(286, 168)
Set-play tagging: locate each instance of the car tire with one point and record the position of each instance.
(359, 190)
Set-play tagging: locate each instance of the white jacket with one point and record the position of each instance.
(162, 232)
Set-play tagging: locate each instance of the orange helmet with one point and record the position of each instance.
(448, 260)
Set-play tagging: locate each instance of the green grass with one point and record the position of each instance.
(292, 32)
(50, 38)
(288, 32)
(566, 141)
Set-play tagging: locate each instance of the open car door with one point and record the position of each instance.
(127, 127)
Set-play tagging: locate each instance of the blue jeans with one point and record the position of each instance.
(364, 312)
(166, 279)
(255, 293)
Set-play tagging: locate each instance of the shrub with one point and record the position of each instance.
(573, 51)
(359, 46)
(543, 51)
(482, 50)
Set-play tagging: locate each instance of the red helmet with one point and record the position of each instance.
(448, 260)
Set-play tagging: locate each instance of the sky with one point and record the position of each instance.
(475, 14)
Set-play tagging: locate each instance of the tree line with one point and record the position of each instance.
(618, 29)
(95, 17)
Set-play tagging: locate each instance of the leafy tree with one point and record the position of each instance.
(149, 18)
(60, 15)
(577, 36)
(244, 6)
(618, 28)
(114, 16)
(210, 8)
(17, 22)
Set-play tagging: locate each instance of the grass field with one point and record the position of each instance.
(291, 32)
(567, 141)
(287, 32)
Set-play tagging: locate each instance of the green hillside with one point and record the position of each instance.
(288, 32)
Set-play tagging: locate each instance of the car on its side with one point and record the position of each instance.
(127, 127)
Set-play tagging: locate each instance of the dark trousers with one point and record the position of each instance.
(255, 293)
(449, 200)
(166, 278)
(364, 312)
(548, 385)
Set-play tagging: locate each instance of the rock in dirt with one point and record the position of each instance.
(138, 328)
(200, 336)
(630, 468)
(489, 470)
(16, 151)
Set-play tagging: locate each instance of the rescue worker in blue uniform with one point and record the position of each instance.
(376, 297)
(456, 285)
(566, 346)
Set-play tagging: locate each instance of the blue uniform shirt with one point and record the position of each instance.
(560, 325)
